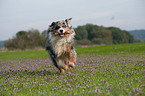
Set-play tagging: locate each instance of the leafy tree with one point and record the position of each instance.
(103, 33)
(44, 33)
(20, 33)
(97, 40)
(99, 34)
(90, 28)
(94, 33)
(137, 41)
(81, 33)
(121, 36)
(26, 40)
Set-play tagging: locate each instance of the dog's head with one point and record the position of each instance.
(61, 28)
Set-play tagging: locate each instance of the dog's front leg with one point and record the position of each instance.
(72, 60)
(61, 70)
(61, 66)
(69, 49)
(72, 56)
(67, 70)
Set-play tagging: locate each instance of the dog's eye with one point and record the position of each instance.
(63, 25)
(57, 27)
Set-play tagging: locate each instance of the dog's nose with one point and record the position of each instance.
(61, 31)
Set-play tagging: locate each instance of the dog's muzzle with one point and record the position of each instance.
(61, 32)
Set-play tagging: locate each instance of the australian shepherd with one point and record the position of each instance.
(60, 45)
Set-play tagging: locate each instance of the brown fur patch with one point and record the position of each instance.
(70, 55)
(66, 55)
(55, 32)
(68, 71)
(68, 30)
(69, 48)
(61, 70)
(72, 58)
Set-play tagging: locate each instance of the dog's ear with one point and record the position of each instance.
(50, 29)
(68, 21)
(52, 24)
(69, 18)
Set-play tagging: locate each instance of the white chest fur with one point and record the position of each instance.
(60, 44)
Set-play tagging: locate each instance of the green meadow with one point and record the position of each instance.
(113, 70)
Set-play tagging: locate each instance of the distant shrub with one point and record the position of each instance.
(97, 41)
(84, 42)
(26, 40)
(137, 41)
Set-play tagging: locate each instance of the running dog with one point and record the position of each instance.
(60, 45)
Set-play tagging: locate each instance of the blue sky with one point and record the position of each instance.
(17, 15)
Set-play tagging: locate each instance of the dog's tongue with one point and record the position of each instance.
(62, 35)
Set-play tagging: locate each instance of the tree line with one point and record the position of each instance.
(85, 35)
(94, 34)
(26, 40)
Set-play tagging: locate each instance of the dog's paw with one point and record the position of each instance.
(71, 64)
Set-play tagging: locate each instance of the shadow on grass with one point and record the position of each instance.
(22, 73)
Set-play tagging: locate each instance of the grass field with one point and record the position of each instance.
(111, 70)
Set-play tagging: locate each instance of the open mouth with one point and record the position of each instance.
(61, 35)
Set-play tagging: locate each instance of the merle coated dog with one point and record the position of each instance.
(60, 45)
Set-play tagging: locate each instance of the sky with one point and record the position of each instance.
(18, 15)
